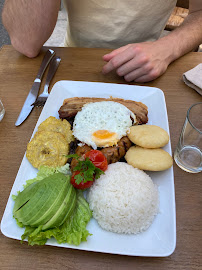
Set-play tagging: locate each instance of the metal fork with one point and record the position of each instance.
(41, 100)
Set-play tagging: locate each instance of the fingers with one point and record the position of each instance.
(131, 68)
(141, 75)
(144, 68)
(119, 59)
(134, 65)
(109, 56)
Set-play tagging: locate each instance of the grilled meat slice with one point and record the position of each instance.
(71, 106)
(115, 153)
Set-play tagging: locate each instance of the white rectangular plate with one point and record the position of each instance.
(160, 239)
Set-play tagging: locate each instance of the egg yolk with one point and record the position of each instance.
(103, 134)
(105, 138)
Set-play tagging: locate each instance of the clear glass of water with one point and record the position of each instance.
(188, 153)
(2, 110)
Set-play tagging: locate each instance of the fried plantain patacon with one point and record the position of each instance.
(57, 125)
(47, 148)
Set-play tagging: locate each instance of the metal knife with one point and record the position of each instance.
(33, 93)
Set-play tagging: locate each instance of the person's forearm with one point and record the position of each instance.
(187, 37)
(30, 23)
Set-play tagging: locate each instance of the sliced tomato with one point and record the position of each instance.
(81, 185)
(97, 158)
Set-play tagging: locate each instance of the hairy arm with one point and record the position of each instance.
(30, 23)
(143, 62)
(188, 36)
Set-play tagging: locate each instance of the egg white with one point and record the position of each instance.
(105, 115)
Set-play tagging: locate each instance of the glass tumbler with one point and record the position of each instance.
(188, 153)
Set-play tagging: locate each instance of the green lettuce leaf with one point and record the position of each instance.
(46, 171)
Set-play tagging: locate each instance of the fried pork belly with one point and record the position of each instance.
(71, 106)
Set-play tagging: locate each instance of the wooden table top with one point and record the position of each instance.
(17, 73)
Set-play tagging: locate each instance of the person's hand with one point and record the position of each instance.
(139, 62)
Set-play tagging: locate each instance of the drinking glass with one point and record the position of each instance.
(2, 110)
(188, 153)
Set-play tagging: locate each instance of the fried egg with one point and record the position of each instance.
(102, 124)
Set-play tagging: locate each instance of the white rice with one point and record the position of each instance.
(124, 199)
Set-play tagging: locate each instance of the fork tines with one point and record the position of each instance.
(40, 102)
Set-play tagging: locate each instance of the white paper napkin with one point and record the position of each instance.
(193, 78)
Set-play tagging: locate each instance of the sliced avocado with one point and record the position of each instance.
(24, 196)
(70, 211)
(46, 188)
(52, 207)
(64, 211)
(44, 207)
(31, 207)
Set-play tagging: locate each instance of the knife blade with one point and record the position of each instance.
(33, 93)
